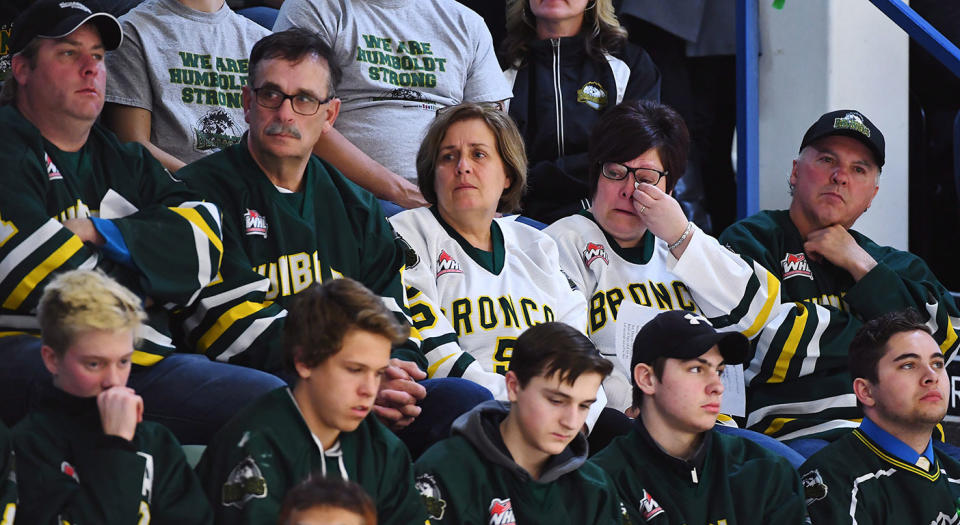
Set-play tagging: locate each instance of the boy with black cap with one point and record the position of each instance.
(810, 282)
(673, 468)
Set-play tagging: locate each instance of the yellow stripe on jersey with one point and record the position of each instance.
(145, 359)
(38, 274)
(951, 337)
(790, 347)
(226, 320)
(773, 292)
(432, 369)
(196, 219)
(896, 462)
(777, 424)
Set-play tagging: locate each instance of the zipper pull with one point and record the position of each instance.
(693, 475)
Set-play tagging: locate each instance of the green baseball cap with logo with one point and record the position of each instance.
(849, 123)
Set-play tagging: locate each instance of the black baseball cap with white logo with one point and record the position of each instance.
(59, 18)
(685, 335)
(850, 123)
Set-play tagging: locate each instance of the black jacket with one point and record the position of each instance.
(558, 96)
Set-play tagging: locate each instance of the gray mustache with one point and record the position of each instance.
(278, 128)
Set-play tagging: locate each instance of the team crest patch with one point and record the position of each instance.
(593, 252)
(813, 486)
(410, 257)
(68, 469)
(649, 508)
(53, 173)
(447, 264)
(593, 95)
(244, 483)
(429, 489)
(852, 120)
(796, 265)
(501, 512)
(254, 223)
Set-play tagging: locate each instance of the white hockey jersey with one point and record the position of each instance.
(489, 298)
(608, 275)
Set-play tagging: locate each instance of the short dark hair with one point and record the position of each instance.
(322, 315)
(510, 147)
(657, 365)
(293, 45)
(318, 491)
(8, 94)
(553, 347)
(869, 345)
(633, 127)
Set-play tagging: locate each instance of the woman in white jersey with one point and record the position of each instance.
(620, 250)
(490, 278)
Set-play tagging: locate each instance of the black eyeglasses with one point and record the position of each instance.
(301, 103)
(617, 171)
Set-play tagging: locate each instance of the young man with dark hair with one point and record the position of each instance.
(887, 470)
(327, 501)
(673, 467)
(525, 462)
(84, 453)
(337, 338)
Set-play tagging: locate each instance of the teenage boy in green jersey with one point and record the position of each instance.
(524, 462)
(83, 453)
(672, 468)
(887, 470)
(338, 338)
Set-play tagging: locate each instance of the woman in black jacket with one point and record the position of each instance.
(569, 62)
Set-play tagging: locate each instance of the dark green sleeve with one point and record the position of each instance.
(178, 498)
(399, 503)
(8, 478)
(783, 499)
(243, 484)
(827, 492)
(106, 489)
(450, 486)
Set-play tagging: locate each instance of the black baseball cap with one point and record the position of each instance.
(850, 123)
(59, 18)
(685, 335)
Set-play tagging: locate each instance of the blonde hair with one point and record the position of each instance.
(601, 30)
(81, 301)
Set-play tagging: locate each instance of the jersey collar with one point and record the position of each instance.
(639, 254)
(892, 445)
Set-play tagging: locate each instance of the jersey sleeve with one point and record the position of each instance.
(828, 496)
(741, 291)
(783, 499)
(8, 479)
(449, 498)
(398, 501)
(178, 496)
(99, 484)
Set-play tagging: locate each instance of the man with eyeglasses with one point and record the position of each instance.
(810, 282)
(291, 219)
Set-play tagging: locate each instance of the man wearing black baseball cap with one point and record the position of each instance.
(810, 282)
(74, 197)
(673, 464)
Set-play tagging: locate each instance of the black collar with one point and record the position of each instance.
(691, 469)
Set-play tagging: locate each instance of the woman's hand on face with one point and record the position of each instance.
(660, 212)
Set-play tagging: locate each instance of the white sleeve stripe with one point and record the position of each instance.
(763, 345)
(813, 347)
(115, 206)
(207, 303)
(802, 407)
(151, 334)
(621, 75)
(26, 247)
(856, 489)
(822, 427)
(249, 335)
(204, 268)
(91, 262)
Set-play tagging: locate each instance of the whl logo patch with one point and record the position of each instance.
(447, 264)
(796, 265)
(68, 469)
(254, 223)
(593, 252)
(501, 512)
(53, 173)
(649, 508)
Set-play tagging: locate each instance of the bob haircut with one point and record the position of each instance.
(82, 301)
(633, 127)
(556, 348)
(510, 147)
(322, 315)
(600, 28)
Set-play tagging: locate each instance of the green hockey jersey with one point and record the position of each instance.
(471, 479)
(802, 314)
(267, 448)
(8, 478)
(855, 480)
(277, 243)
(173, 240)
(732, 481)
(70, 472)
